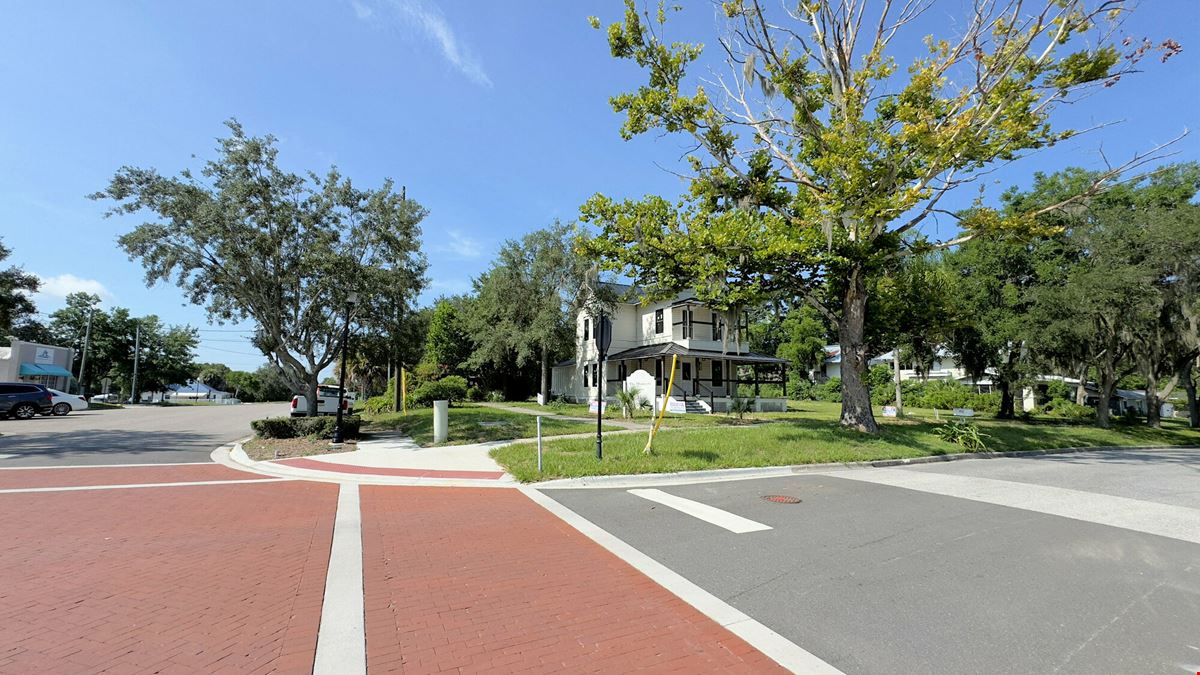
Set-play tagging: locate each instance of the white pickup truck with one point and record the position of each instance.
(327, 402)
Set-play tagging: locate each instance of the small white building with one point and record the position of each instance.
(47, 365)
(192, 391)
(714, 358)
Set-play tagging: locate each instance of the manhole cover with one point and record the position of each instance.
(782, 499)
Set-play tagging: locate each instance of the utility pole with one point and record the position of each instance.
(87, 337)
(137, 353)
(896, 374)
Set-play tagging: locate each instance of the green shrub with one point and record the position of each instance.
(945, 395)
(740, 406)
(1067, 410)
(378, 404)
(495, 396)
(312, 427)
(962, 433)
(1057, 390)
(801, 390)
(829, 390)
(450, 388)
(474, 394)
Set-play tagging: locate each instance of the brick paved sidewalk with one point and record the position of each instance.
(217, 578)
(119, 475)
(483, 580)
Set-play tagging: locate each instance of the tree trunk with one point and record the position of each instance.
(856, 399)
(1108, 384)
(1081, 390)
(310, 393)
(1153, 406)
(1006, 401)
(545, 375)
(1193, 404)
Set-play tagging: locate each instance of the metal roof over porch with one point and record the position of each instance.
(673, 349)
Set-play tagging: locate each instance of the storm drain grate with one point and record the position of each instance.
(782, 499)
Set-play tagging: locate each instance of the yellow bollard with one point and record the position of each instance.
(654, 429)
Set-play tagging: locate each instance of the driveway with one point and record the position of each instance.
(1078, 563)
(135, 435)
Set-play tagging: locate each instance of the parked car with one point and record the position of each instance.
(105, 398)
(65, 403)
(24, 400)
(327, 402)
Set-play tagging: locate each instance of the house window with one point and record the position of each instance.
(718, 378)
(658, 325)
(718, 329)
(585, 376)
(687, 371)
(587, 329)
(687, 323)
(658, 372)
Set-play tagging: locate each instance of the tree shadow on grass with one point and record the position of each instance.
(703, 455)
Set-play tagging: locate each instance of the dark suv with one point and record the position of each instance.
(24, 400)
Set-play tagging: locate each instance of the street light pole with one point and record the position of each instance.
(87, 337)
(337, 430)
(137, 353)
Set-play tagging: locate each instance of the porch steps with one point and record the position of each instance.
(695, 407)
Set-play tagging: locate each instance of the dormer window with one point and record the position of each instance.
(658, 322)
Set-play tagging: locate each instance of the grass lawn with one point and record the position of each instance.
(474, 424)
(808, 434)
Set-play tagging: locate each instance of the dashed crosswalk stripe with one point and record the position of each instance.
(709, 514)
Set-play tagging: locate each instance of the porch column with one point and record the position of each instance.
(783, 368)
(755, 369)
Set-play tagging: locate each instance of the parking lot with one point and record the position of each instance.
(142, 434)
(1079, 563)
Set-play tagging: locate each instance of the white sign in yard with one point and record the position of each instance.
(889, 411)
(676, 407)
(592, 406)
(43, 355)
(964, 412)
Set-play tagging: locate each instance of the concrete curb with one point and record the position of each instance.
(235, 457)
(717, 475)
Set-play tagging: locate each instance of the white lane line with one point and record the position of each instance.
(92, 466)
(1166, 520)
(132, 486)
(783, 651)
(342, 642)
(709, 514)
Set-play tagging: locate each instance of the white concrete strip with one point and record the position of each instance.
(785, 652)
(1165, 520)
(132, 486)
(342, 641)
(709, 514)
(94, 466)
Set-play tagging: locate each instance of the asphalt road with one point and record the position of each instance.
(883, 571)
(143, 434)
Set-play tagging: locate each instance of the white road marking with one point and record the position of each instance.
(131, 486)
(6, 456)
(709, 514)
(785, 652)
(93, 466)
(1165, 520)
(342, 642)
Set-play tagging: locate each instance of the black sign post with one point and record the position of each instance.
(603, 342)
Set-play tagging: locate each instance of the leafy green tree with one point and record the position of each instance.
(523, 306)
(246, 239)
(17, 310)
(243, 385)
(806, 334)
(215, 375)
(448, 344)
(820, 158)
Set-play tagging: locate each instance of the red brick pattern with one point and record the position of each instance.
(485, 580)
(305, 463)
(205, 579)
(119, 475)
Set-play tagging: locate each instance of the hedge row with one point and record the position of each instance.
(311, 427)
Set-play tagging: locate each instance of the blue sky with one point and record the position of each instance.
(493, 114)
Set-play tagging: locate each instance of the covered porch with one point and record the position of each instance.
(705, 381)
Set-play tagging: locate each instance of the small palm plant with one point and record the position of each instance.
(740, 406)
(630, 401)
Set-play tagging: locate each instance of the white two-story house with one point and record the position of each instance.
(711, 366)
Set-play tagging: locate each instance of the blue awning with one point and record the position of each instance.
(35, 369)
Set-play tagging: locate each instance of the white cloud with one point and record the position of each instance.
(460, 245)
(62, 285)
(428, 19)
(362, 11)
